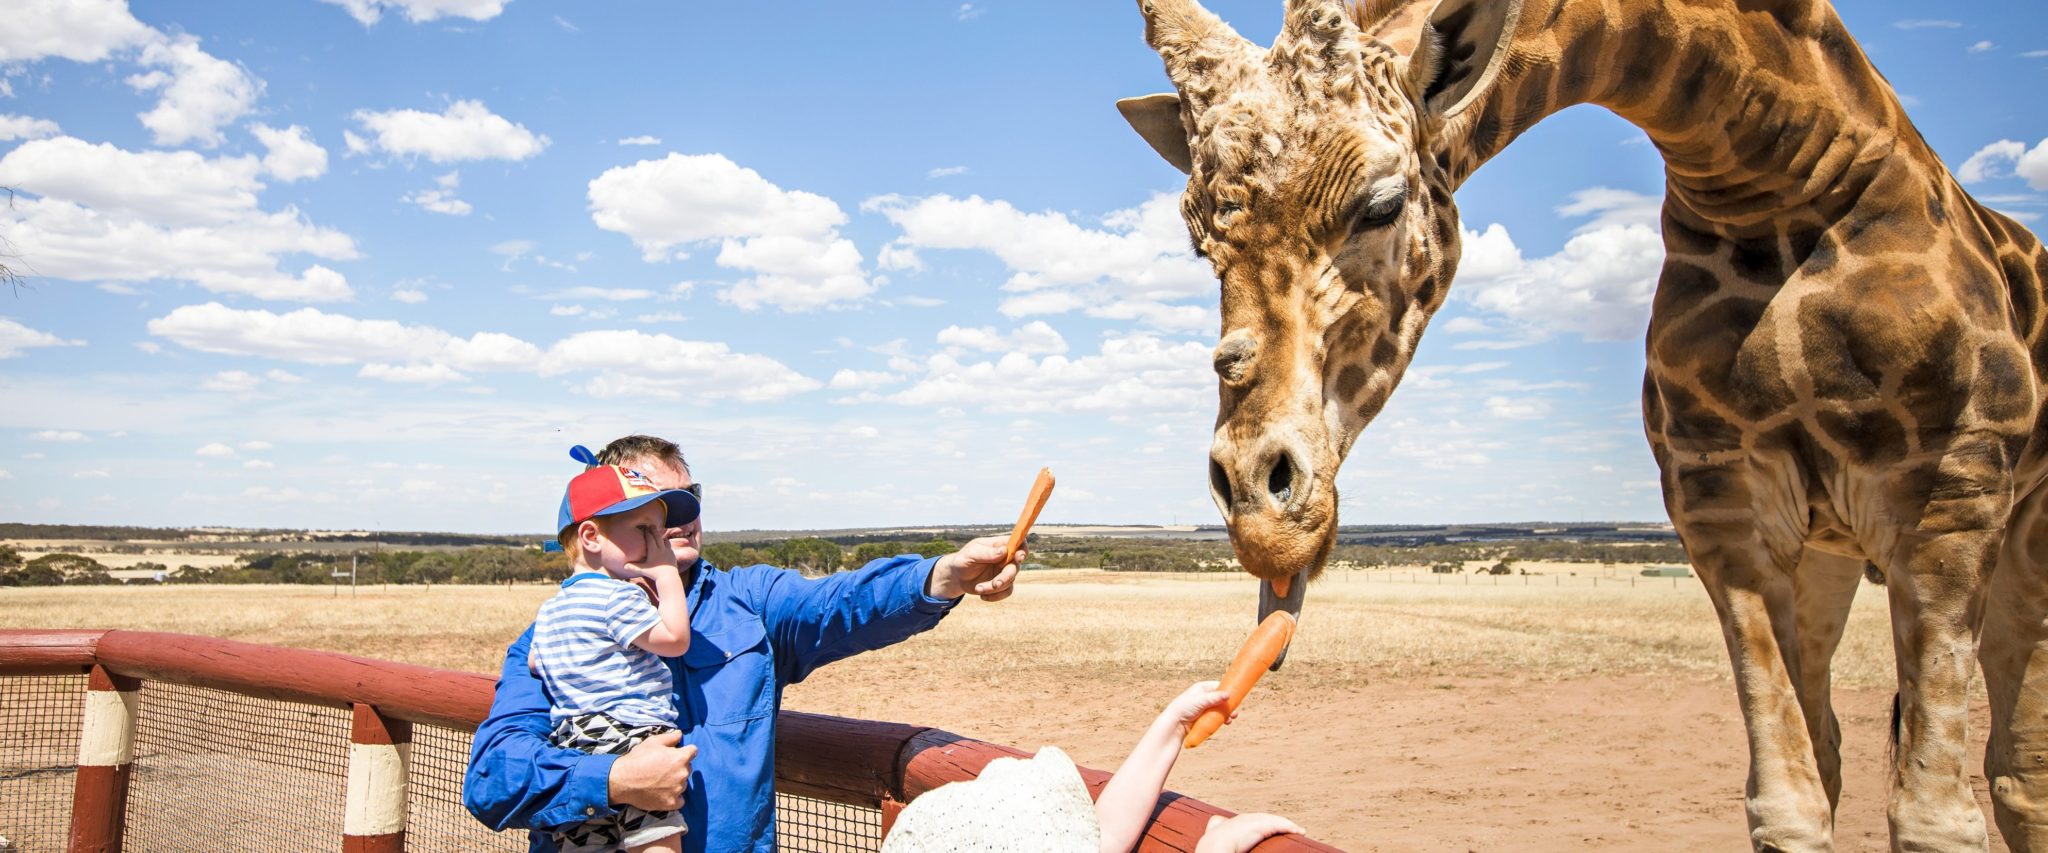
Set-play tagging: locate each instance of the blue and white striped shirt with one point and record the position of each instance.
(583, 651)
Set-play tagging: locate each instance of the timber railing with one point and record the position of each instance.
(136, 740)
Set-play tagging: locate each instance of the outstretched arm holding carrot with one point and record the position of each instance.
(1126, 803)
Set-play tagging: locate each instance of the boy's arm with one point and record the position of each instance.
(517, 778)
(670, 637)
(1125, 805)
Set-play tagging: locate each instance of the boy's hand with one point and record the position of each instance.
(1243, 832)
(652, 774)
(1193, 701)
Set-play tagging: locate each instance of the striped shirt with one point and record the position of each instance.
(583, 651)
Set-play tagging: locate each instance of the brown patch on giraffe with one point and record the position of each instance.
(1758, 261)
(1869, 436)
(1350, 381)
(1843, 365)
(2002, 389)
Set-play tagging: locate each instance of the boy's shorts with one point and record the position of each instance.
(600, 734)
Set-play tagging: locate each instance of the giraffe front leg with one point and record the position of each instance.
(1824, 587)
(2014, 652)
(1788, 805)
(1936, 587)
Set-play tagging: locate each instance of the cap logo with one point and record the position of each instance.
(636, 480)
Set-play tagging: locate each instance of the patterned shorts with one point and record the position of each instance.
(631, 827)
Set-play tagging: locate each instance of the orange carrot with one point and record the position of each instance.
(1041, 489)
(1253, 659)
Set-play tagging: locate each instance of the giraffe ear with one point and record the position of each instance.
(1157, 119)
(1456, 56)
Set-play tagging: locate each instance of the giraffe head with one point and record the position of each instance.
(1314, 190)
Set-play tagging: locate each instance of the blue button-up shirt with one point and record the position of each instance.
(753, 630)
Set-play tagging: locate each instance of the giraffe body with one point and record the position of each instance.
(1846, 353)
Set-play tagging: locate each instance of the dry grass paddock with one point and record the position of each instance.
(1415, 712)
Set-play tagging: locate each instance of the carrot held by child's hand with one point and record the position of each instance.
(1253, 659)
(1041, 489)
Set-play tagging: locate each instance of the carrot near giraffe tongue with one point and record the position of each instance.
(1253, 659)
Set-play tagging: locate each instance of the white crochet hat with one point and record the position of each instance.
(1038, 805)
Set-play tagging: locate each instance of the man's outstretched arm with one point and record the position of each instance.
(519, 780)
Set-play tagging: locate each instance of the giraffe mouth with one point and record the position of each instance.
(1283, 593)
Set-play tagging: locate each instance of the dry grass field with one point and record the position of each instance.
(1415, 712)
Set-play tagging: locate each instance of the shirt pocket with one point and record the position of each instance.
(733, 674)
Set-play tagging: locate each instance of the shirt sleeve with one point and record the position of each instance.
(816, 622)
(517, 779)
(628, 614)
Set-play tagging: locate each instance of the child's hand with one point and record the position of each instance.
(1194, 700)
(1242, 833)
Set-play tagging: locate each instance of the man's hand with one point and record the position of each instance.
(651, 775)
(1242, 833)
(978, 568)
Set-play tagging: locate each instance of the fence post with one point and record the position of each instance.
(890, 810)
(379, 750)
(106, 753)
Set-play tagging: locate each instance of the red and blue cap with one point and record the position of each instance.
(613, 489)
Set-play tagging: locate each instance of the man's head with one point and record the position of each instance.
(662, 461)
(613, 515)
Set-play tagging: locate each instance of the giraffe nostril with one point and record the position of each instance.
(1219, 480)
(1281, 481)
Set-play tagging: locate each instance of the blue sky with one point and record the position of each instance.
(378, 263)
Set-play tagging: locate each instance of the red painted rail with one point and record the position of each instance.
(855, 762)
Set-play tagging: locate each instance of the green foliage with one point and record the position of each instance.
(10, 559)
(868, 552)
(810, 555)
(724, 555)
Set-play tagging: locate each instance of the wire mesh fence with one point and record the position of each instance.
(39, 721)
(220, 771)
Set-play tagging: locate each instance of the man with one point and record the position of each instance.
(754, 630)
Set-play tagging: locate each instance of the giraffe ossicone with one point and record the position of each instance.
(1846, 352)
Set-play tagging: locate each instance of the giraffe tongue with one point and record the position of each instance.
(1282, 594)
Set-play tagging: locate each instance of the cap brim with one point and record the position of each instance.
(682, 506)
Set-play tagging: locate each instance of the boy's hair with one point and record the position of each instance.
(636, 448)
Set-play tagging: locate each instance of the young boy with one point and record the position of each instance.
(1041, 804)
(598, 643)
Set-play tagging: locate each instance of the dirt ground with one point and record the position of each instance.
(1618, 763)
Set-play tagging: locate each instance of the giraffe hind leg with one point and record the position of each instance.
(2014, 653)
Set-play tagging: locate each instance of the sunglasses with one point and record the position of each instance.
(696, 490)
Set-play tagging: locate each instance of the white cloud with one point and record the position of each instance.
(609, 294)
(1134, 268)
(415, 374)
(442, 199)
(13, 127)
(78, 30)
(636, 364)
(946, 172)
(108, 214)
(641, 140)
(1517, 408)
(233, 382)
(2036, 54)
(4, 475)
(1599, 285)
(409, 295)
(216, 450)
(15, 337)
(1927, 24)
(201, 93)
(1137, 372)
(1033, 338)
(1984, 46)
(1991, 161)
(259, 464)
(789, 239)
(293, 154)
(311, 336)
(256, 445)
(847, 380)
(368, 12)
(657, 317)
(276, 375)
(968, 12)
(895, 257)
(567, 310)
(466, 130)
(92, 474)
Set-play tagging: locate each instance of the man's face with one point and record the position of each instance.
(687, 540)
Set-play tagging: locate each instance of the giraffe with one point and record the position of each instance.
(1845, 353)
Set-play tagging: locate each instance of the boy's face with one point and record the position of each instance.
(635, 537)
(688, 540)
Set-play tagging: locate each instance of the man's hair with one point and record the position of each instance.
(636, 448)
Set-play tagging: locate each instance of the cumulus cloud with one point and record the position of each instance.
(293, 156)
(1599, 285)
(466, 130)
(1135, 267)
(13, 127)
(368, 12)
(946, 172)
(1135, 372)
(637, 364)
(851, 380)
(78, 30)
(108, 214)
(200, 93)
(233, 382)
(641, 140)
(441, 199)
(311, 336)
(216, 450)
(15, 338)
(415, 374)
(61, 435)
(788, 239)
(1033, 338)
(1992, 161)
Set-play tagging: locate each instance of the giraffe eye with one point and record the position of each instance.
(1227, 212)
(1378, 214)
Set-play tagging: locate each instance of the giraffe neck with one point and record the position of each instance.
(1760, 115)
